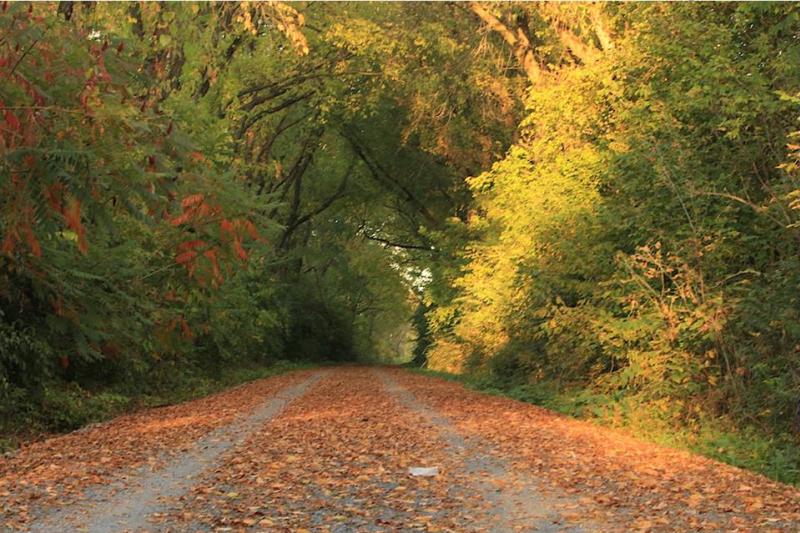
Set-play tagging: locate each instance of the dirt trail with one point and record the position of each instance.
(331, 451)
(518, 502)
(336, 460)
(130, 503)
(635, 485)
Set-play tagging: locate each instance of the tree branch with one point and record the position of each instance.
(329, 201)
(381, 175)
(517, 38)
(247, 123)
(393, 244)
(297, 178)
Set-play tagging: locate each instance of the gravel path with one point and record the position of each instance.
(623, 483)
(128, 505)
(517, 502)
(333, 451)
(336, 460)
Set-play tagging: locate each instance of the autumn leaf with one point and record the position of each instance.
(11, 120)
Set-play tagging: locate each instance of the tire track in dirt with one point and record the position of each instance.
(57, 471)
(336, 460)
(631, 484)
(518, 503)
(127, 505)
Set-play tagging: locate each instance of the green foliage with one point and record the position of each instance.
(423, 340)
(134, 258)
(184, 194)
(70, 407)
(318, 331)
(187, 189)
(634, 254)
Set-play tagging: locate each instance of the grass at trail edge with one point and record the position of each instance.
(776, 456)
(67, 407)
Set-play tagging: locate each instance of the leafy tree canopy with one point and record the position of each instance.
(589, 195)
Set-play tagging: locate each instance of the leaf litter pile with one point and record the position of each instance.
(647, 487)
(338, 459)
(335, 460)
(56, 471)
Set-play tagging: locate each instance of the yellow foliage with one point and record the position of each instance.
(447, 356)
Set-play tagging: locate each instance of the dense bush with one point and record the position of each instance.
(134, 262)
(185, 192)
(636, 250)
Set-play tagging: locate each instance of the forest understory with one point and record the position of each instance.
(591, 207)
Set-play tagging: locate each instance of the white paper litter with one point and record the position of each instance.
(424, 471)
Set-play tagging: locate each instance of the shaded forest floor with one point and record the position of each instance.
(330, 450)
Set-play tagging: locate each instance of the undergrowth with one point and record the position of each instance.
(63, 407)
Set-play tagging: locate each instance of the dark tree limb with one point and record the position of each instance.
(248, 122)
(300, 164)
(300, 220)
(329, 58)
(65, 9)
(266, 148)
(382, 176)
(392, 244)
(296, 179)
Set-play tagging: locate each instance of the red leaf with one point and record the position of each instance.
(191, 245)
(83, 244)
(185, 257)
(212, 256)
(72, 216)
(9, 242)
(192, 200)
(54, 195)
(185, 329)
(251, 230)
(181, 219)
(12, 120)
(237, 246)
(226, 228)
(33, 242)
